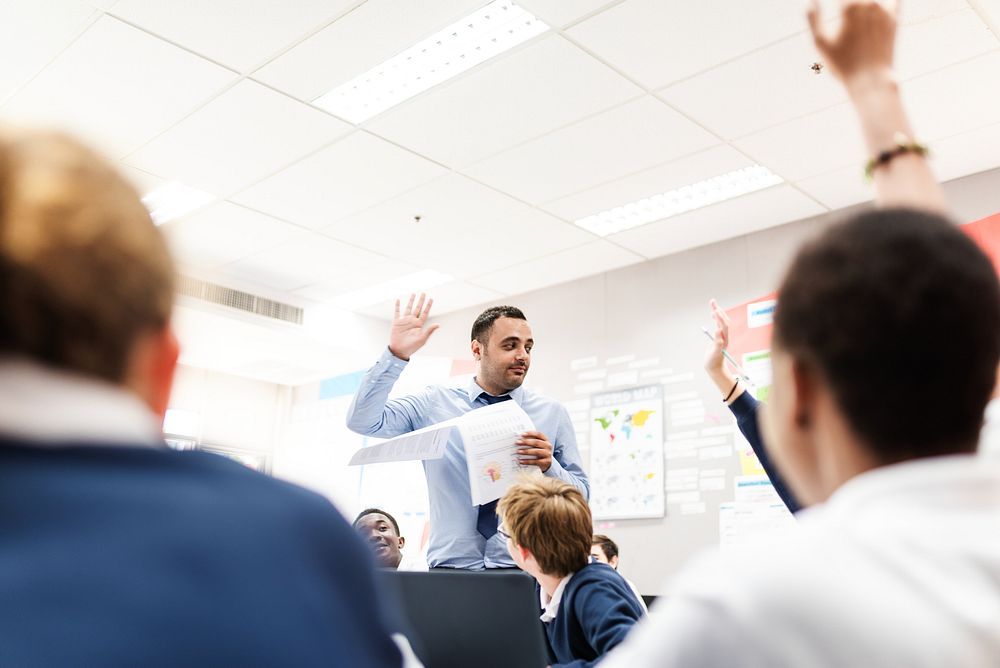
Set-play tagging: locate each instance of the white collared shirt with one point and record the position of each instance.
(47, 406)
(900, 567)
(551, 603)
(989, 439)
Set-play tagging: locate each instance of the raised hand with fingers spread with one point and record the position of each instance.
(408, 334)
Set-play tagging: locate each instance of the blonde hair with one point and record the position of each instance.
(83, 270)
(552, 520)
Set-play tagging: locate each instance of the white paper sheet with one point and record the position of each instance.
(426, 443)
(490, 435)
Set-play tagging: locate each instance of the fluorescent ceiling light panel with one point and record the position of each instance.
(380, 292)
(499, 26)
(173, 200)
(674, 202)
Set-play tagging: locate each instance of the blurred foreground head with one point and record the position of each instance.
(86, 281)
(886, 343)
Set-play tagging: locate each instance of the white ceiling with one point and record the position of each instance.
(619, 101)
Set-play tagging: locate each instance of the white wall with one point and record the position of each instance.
(232, 411)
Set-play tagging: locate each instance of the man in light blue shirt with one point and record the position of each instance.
(464, 535)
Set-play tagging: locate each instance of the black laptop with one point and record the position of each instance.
(468, 619)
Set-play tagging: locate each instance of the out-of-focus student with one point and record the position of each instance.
(896, 561)
(605, 550)
(117, 551)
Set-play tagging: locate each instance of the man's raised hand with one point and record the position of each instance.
(408, 334)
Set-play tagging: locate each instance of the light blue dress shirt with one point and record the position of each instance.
(454, 540)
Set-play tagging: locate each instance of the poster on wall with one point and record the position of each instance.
(626, 454)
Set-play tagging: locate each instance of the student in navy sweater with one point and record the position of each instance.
(588, 608)
(114, 549)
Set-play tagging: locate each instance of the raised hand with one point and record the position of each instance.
(715, 363)
(863, 45)
(408, 334)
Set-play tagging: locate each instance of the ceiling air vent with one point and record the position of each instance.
(237, 299)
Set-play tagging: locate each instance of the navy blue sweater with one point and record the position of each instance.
(129, 556)
(596, 612)
(745, 409)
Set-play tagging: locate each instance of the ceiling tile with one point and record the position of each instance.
(991, 12)
(224, 233)
(143, 182)
(592, 258)
(658, 42)
(967, 153)
(772, 85)
(523, 95)
(808, 146)
(362, 277)
(940, 41)
(447, 298)
(353, 174)
(33, 33)
(662, 178)
(776, 84)
(841, 188)
(358, 41)
(465, 228)
(756, 211)
(239, 34)
(558, 13)
(602, 148)
(117, 87)
(238, 138)
(306, 259)
(954, 100)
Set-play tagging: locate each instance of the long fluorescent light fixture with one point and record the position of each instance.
(173, 200)
(381, 292)
(499, 26)
(674, 202)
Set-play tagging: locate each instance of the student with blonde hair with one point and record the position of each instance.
(116, 549)
(588, 608)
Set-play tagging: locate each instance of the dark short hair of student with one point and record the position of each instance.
(375, 511)
(608, 546)
(900, 312)
(484, 323)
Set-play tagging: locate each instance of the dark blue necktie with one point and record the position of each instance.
(487, 521)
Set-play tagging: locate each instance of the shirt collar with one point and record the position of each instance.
(551, 604)
(473, 390)
(916, 483)
(50, 406)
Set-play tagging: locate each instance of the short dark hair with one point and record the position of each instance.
(608, 546)
(375, 511)
(484, 323)
(897, 308)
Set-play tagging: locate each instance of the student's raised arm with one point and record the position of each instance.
(860, 55)
(743, 406)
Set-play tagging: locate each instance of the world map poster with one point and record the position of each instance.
(626, 454)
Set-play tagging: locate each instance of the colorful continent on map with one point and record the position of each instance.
(639, 417)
